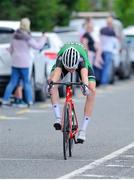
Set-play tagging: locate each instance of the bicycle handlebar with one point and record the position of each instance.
(68, 83)
(83, 86)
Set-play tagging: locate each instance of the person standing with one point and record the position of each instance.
(108, 42)
(20, 55)
(94, 50)
(88, 41)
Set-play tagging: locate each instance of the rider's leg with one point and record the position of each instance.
(88, 109)
(55, 103)
(55, 76)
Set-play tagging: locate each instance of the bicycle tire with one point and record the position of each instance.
(70, 147)
(71, 141)
(66, 131)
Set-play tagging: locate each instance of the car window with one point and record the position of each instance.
(130, 40)
(6, 35)
(47, 44)
(5, 38)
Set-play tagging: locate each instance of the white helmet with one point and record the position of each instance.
(70, 58)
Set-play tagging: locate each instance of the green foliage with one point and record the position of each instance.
(44, 14)
(83, 5)
(125, 11)
(105, 4)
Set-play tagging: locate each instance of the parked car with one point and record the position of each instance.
(5, 58)
(37, 69)
(129, 38)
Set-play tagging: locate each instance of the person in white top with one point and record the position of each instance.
(108, 42)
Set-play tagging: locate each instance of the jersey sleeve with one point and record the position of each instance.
(59, 62)
(83, 64)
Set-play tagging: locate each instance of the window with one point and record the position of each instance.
(6, 35)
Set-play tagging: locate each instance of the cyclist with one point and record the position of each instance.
(73, 57)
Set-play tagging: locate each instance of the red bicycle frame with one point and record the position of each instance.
(69, 102)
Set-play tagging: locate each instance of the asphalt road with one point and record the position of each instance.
(31, 148)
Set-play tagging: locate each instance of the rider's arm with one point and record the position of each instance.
(56, 74)
(87, 73)
(84, 75)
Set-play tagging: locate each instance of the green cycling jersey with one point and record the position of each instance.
(80, 48)
(83, 61)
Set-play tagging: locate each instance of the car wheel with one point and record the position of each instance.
(33, 87)
(128, 71)
(112, 74)
(42, 94)
(121, 73)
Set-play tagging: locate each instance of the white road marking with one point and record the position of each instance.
(120, 160)
(119, 165)
(43, 159)
(128, 156)
(45, 105)
(38, 111)
(97, 162)
(24, 159)
(22, 111)
(13, 118)
(97, 176)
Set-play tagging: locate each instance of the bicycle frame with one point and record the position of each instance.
(70, 102)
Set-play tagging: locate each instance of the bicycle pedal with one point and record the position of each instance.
(57, 126)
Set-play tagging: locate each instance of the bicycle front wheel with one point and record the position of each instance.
(70, 146)
(66, 131)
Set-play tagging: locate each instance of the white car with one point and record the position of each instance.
(5, 58)
(50, 49)
(129, 37)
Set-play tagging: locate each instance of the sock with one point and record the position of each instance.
(85, 122)
(56, 109)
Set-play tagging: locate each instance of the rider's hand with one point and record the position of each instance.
(85, 90)
(49, 87)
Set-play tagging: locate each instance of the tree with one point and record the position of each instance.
(125, 11)
(83, 5)
(43, 14)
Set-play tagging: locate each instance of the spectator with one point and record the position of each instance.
(21, 57)
(82, 30)
(108, 42)
(88, 41)
(94, 50)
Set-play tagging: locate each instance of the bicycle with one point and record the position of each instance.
(69, 123)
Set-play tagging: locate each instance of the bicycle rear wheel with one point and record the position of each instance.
(66, 131)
